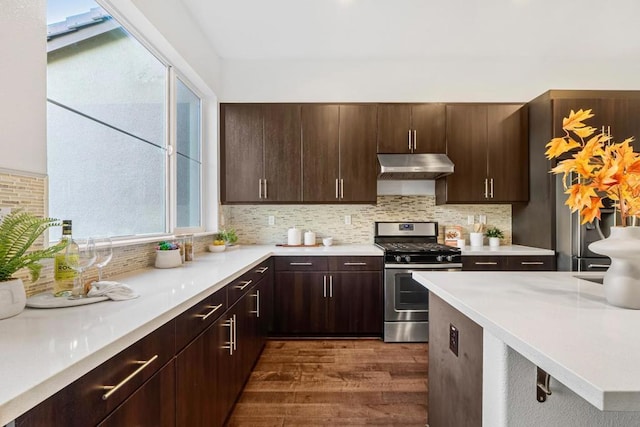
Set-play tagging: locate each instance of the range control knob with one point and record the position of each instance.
(439, 258)
(398, 258)
(407, 258)
(450, 258)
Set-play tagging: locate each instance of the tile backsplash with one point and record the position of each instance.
(252, 221)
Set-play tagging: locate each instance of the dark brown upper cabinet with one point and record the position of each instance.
(338, 156)
(487, 143)
(260, 148)
(411, 128)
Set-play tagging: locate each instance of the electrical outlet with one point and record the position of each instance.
(453, 339)
(470, 219)
(347, 219)
(482, 219)
(4, 212)
(272, 220)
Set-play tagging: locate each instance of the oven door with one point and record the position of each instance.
(404, 298)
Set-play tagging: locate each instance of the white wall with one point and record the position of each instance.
(23, 65)
(443, 80)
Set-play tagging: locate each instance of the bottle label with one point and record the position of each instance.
(63, 274)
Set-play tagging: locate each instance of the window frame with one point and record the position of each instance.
(208, 211)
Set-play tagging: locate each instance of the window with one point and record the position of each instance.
(109, 129)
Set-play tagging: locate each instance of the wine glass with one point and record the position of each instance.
(80, 255)
(104, 253)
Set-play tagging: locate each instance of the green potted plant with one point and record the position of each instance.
(494, 234)
(18, 232)
(229, 236)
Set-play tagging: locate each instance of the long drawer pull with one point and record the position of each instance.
(354, 263)
(486, 263)
(244, 284)
(214, 309)
(262, 270)
(598, 266)
(532, 263)
(300, 263)
(113, 388)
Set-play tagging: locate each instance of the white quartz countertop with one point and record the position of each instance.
(43, 350)
(505, 250)
(559, 322)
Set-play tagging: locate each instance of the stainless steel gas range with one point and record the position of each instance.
(409, 247)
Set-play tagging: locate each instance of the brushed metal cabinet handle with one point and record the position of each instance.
(229, 324)
(415, 140)
(300, 263)
(337, 189)
(409, 138)
(598, 266)
(265, 189)
(262, 270)
(330, 286)
(260, 188)
(113, 388)
(354, 263)
(491, 188)
(531, 263)
(486, 188)
(324, 286)
(341, 188)
(485, 263)
(235, 333)
(214, 309)
(244, 284)
(257, 310)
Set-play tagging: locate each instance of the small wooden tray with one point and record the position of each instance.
(284, 245)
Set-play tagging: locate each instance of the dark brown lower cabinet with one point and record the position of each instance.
(328, 303)
(509, 263)
(455, 377)
(152, 405)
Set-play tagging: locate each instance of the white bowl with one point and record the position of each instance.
(217, 248)
(327, 241)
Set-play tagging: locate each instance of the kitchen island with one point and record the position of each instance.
(559, 322)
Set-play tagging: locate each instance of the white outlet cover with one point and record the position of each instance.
(470, 219)
(347, 219)
(272, 220)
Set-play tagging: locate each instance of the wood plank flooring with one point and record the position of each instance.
(336, 383)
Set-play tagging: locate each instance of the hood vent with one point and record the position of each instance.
(414, 166)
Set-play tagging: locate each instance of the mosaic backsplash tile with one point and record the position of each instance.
(251, 221)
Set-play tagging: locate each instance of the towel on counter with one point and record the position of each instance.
(115, 290)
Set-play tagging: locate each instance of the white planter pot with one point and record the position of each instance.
(168, 259)
(13, 298)
(622, 279)
(494, 242)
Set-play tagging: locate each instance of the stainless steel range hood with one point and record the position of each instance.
(414, 166)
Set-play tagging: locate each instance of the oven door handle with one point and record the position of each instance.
(412, 267)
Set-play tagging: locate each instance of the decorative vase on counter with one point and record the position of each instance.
(494, 242)
(622, 279)
(168, 258)
(476, 239)
(13, 298)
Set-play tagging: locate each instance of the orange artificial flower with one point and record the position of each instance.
(602, 168)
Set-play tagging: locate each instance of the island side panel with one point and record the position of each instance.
(455, 382)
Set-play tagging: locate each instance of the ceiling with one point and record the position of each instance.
(419, 29)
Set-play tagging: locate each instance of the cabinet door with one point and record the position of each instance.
(358, 168)
(428, 121)
(355, 300)
(242, 152)
(227, 365)
(282, 149)
(467, 149)
(152, 405)
(394, 125)
(532, 263)
(300, 303)
(508, 150)
(320, 155)
(622, 120)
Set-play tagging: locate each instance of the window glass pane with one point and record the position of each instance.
(188, 156)
(106, 127)
(107, 182)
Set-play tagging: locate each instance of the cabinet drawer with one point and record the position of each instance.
(240, 286)
(86, 401)
(532, 263)
(484, 263)
(195, 320)
(355, 263)
(302, 263)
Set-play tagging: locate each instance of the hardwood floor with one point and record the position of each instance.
(336, 383)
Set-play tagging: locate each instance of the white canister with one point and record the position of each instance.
(294, 236)
(477, 239)
(309, 238)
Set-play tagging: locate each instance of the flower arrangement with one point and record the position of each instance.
(601, 168)
(167, 246)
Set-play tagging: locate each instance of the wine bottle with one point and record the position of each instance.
(63, 274)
